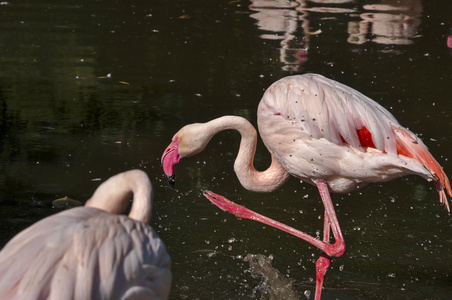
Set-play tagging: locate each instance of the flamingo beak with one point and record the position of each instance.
(170, 159)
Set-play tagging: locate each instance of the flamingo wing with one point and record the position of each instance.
(324, 108)
(85, 253)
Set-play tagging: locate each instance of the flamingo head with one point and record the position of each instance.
(188, 141)
(170, 159)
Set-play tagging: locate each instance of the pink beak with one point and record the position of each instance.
(170, 159)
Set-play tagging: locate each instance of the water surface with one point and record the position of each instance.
(89, 89)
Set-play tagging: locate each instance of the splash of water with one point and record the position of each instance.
(274, 285)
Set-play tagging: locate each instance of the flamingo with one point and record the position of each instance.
(91, 252)
(321, 132)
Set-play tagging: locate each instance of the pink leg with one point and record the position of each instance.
(330, 221)
(336, 249)
(321, 266)
(326, 228)
(323, 263)
(332, 218)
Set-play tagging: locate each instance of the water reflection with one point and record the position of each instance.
(388, 22)
(449, 39)
(293, 23)
(280, 21)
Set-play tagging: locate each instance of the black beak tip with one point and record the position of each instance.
(171, 180)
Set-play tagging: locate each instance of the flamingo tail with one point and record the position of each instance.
(410, 146)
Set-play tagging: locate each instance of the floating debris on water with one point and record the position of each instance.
(66, 202)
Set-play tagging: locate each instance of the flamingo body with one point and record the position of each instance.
(88, 253)
(320, 129)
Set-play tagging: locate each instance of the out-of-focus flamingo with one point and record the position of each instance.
(324, 133)
(91, 252)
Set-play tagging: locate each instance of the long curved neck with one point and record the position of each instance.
(251, 179)
(114, 194)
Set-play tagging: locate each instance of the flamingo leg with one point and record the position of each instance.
(332, 218)
(326, 228)
(330, 223)
(323, 263)
(336, 249)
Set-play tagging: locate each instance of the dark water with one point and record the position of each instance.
(92, 88)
